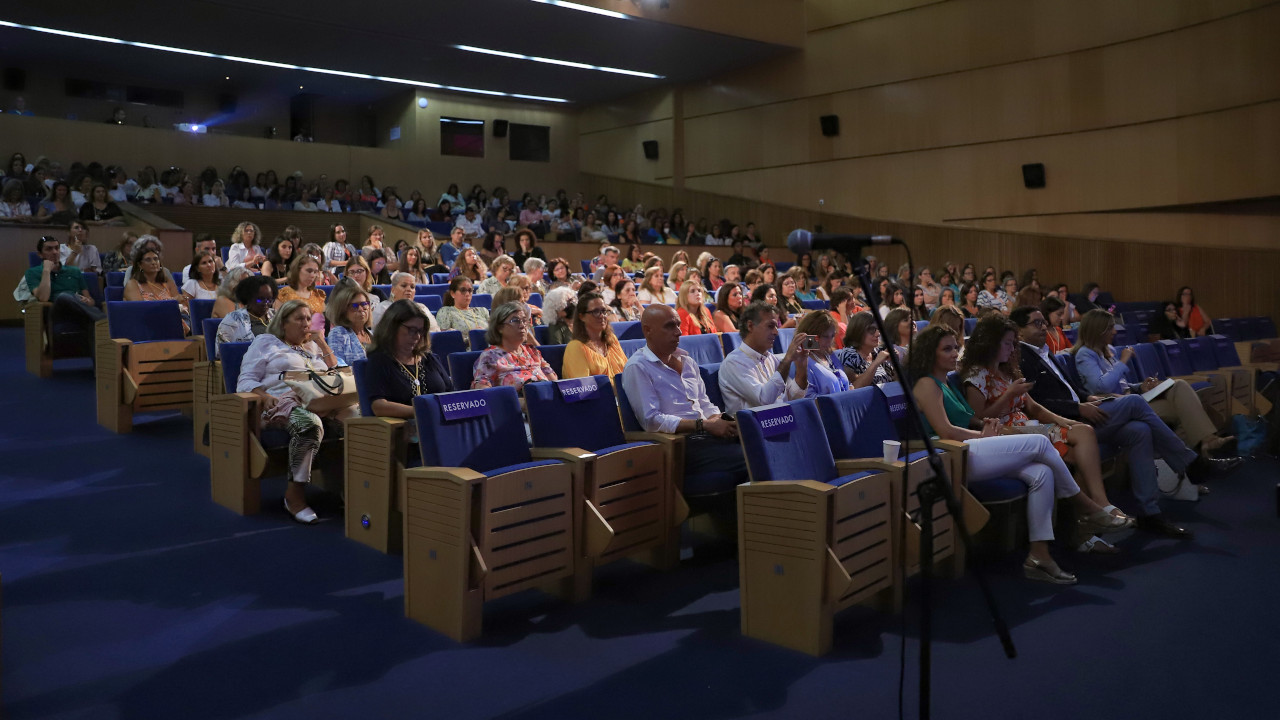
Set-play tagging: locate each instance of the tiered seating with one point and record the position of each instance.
(376, 452)
(45, 342)
(144, 362)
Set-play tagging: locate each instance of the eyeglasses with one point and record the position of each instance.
(1037, 323)
(414, 330)
(518, 322)
(262, 301)
(151, 259)
(465, 289)
(598, 312)
(360, 305)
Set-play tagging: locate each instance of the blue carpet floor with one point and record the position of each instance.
(129, 594)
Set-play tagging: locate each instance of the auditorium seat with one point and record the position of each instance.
(1203, 356)
(815, 304)
(541, 333)
(730, 341)
(482, 300)
(440, 279)
(113, 293)
(45, 341)
(710, 373)
(200, 310)
(783, 340)
(629, 347)
(629, 502)
(814, 536)
(242, 452)
(206, 381)
(462, 368)
(483, 518)
(703, 348)
(535, 299)
(476, 338)
(1153, 362)
(1212, 387)
(627, 330)
(432, 302)
(444, 343)
(144, 362)
(432, 289)
(554, 355)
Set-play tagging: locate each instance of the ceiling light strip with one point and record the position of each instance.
(269, 63)
(585, 8)
(553, 61)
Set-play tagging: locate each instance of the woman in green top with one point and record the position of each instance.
(457, 313)
(1031, 458)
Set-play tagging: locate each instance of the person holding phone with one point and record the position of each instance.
(825, 375)
(751, 376)
(994, 387)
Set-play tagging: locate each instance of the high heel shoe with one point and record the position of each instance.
(306, 515)
(1047, 572)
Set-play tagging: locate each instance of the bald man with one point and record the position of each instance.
(667, 395)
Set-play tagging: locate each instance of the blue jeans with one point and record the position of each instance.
(1135, 427)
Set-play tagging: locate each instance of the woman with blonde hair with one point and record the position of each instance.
(695, 318)
(653, 289)
(678, 274)
(245, 249)
(303, 274)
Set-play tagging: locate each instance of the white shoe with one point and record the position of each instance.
(306, 515)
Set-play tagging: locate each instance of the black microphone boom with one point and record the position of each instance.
(803, 241)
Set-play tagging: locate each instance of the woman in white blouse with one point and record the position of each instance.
(290, 344)
(203, 283)
(217, 195)
(653, 289)
(244, 247)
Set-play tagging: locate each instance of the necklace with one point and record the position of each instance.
(413, 376)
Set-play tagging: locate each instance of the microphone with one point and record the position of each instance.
(803, 241)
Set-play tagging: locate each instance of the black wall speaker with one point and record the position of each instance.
(830, 125)
(499, 128)
(651, 149)
(15, 79)
(1033, 175)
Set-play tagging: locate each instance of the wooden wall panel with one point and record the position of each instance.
(774, 21)
(619, 152)
(645, 107)
(823, 14)
(949, 37)
(1173, 228)
(1228, 280)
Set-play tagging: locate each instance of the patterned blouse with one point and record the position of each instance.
(346, 344)
(496, 367)
(451, 317)
(240, 326)
(993, 385)
(315, 302)
(855, 365)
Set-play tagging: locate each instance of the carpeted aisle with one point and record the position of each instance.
(129, 594)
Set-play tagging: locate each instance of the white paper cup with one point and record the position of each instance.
(891, 448)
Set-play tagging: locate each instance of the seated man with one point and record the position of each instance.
(1126, 420)
(470, 224)
(457, 243)
(64, 286)
(751, 376)
(667, 395)
(608, 256)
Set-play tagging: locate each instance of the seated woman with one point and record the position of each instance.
(968, 300)
(863, 359)
(788, 293)
(919, 310)
(205, 279)
(301, 284)
(610, 276)
(843, 306)
(227, 301)
(712, 271)
(1168, 325)
(950, 317)
(337, 252)
(509, 359)
(244, 247)
(1192, 315)
(994, 388)
(58, 204)
(120, 258)
(401, 365)
(557, 312)
(148, 279)
(410, 261)
(312, 250)
(290, 344)
(1102, 373)
(457, 313)
(402, 288)
(729, 304)
(695, 318)
(357, 271)
(350, 325)
(653, 288)
(1031, 458)
(469, 265)
(803, 291)
(594, 349)
(901, 328)
(1055, 311)
(276, 266)
(678, 274)
(525, 287)
(767, 293)
(256, 295)
(892, 299)
(825, 374)
(626, 303)
(14, 206)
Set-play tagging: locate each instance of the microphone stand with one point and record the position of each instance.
(930, 491)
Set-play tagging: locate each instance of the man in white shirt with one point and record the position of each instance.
(470, 224)
(608, 256)
(204, 241)
(751, 376)
(667, 395)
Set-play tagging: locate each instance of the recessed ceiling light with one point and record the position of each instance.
(269, 63)
(585, 8)
(553, 61)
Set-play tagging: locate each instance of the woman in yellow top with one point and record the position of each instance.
(594, 349)
(301, 285)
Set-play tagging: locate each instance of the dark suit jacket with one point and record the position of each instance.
(1049, 390)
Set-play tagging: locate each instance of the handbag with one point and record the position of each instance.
(323, 392)
(1175, 486)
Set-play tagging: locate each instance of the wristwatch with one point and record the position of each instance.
(697, 425)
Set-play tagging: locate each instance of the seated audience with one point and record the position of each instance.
(992, 296)
(338, 252)
(863, 358)
(291, 345)
(919, 310)
(227, 301)
(1192, 315)
(401, 365)
(350, 314)
(1054, 311)
(450, 250)
(729, 306)
(205, 278)
(301, 284)
(493, 246)
(843, 305)
(1126, 421)
(120, 258)
(148, 279)
(256, 296)
(244, 247)
(752, 376)
(503, 268)
(77, 252)
(952, 318)
(471, 225)
(14, 206)
(1103, 373)
(469, 265)
(594, 349)
(625, 305)
(65, 287)
(509, 359)
(525, 288)
(410, 261)
(535, 270)
(205, 242)
(457, 313)
(558, 309)
(667, 395)
(403, 288)
(1168, 324)
(653, 288)
(789, 299)
(969, 300)
(276, 266)
(901, 329)
(1031, 458)
(314, 252)
(825, 375)
(695, 318)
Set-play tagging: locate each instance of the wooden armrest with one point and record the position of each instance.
(950, 445)
(376, 421)
(658, 437)
(781, 486)
(565, 454)
(461, 476)
(850, 466)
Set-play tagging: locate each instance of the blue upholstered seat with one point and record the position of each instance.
(628, 330)
(433, 289)
(200, 310)
(358, 373)
(482, 300)
(433, 302)
(445, 343)
(487, 443)
(535, 299)
(730, 341)
(591, 424)
(554, 355)
(629, 347)
(801, 454)
(815, 304)
(462, 366)
(232, 358)
(209, 329)
(145, 321)
(703, 348)
(477, 339)
(711, 378)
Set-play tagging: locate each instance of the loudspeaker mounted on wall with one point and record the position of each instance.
(830, 125)
(1033, 175)
(651, 149)
(15, 79)
(499, 128)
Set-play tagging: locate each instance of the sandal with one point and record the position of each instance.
(1097, 546)
(1048, 572)
(1102, 522)
(1117, 512)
